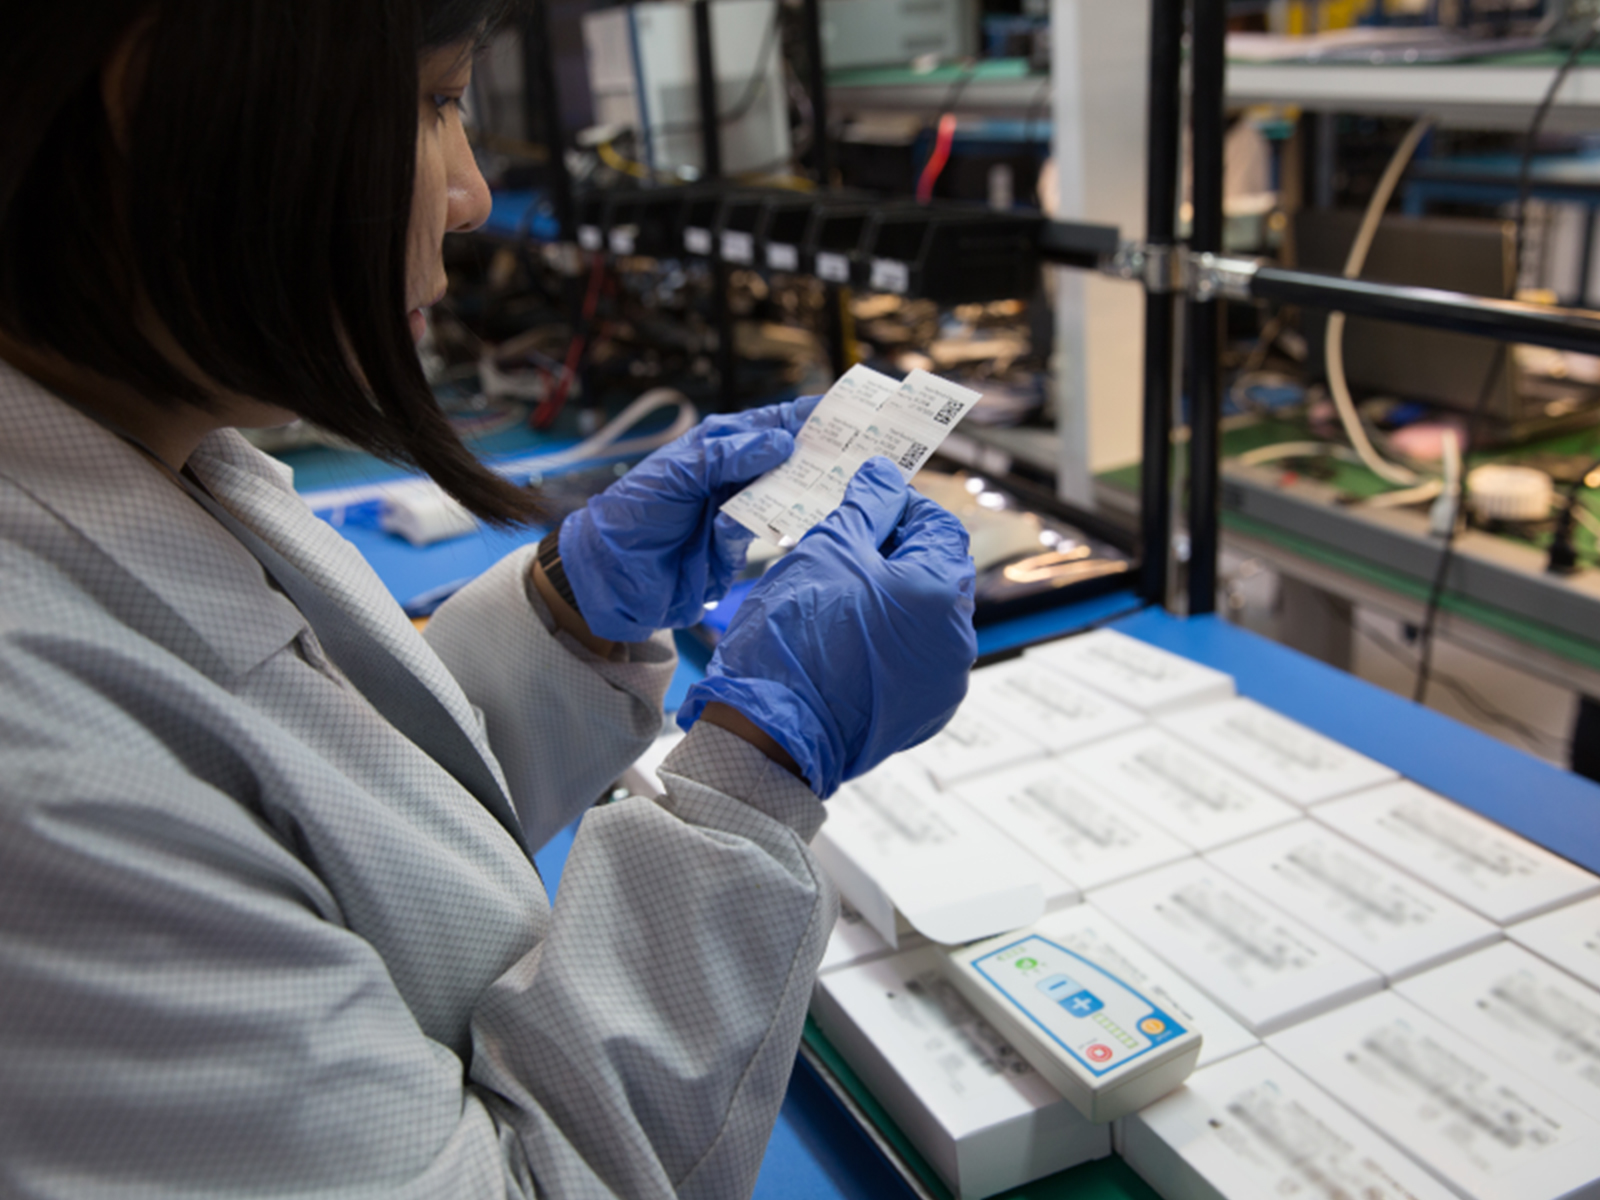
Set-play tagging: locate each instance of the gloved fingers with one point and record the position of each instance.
(790, 415)
(730, 543)
(736, 458)
(872, 506)
(927, 533)
(795, 413)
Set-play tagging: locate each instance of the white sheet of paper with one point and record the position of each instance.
(1466, 856)
(1568, 937)
(1299, 764)
(1056, 711)
(1517, 1006)
(1140, 675)
(1267, 969)
(1488, 1130)
(1069, 824)
(1390, 921)
(862, 415)
(898, 848)
(1191, 796)
(1255, 1127)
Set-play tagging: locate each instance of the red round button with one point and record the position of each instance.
(1099, 1052)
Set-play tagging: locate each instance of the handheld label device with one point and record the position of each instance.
(1102, 1044)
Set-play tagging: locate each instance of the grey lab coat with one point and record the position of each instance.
(253, 940)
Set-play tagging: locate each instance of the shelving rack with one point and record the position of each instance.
(1195, 273)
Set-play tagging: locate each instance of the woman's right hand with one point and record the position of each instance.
(858, 642)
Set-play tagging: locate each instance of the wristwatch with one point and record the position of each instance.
(550, 559)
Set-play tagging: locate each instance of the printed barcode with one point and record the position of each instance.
(912, 456)
(948, 413)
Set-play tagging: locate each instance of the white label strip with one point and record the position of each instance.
(864, 414)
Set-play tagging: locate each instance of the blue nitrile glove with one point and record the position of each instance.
(651, 550)
(857, 643)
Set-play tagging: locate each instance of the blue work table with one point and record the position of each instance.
(817, 1152)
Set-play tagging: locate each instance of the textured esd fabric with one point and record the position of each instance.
(253, 940)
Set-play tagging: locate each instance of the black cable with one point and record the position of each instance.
(1469, 696)
(753, 87)
(1480, 409)
(1563, 556)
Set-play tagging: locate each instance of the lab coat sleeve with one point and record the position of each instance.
(183, 1010)
(644, 1048)
(560, 744)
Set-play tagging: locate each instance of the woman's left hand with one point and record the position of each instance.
(652, 550)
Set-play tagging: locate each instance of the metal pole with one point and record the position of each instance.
(1209, 31)
(817, 86)
(1160, 307)
(1572, 329)
(541, 111)
(706, 76)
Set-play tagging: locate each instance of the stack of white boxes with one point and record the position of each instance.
(1398, 997)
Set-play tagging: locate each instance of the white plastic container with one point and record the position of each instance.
(981, 1116)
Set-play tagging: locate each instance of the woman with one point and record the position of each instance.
(267, 921)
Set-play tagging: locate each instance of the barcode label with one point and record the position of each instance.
(782, 257)
(622, 240)
(589, 237)
(890, 275)
(949, 413)
(738, 246)
(835, 268)
(697, 240)
(912, 458)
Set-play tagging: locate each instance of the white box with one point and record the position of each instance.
(1568, 937)
(1267, 970)
(854, 941)
(1482, 1128)
(1071, 826)
(1047, 706)
(1140, 675)
(1297, 763)
(1466, 856)
(1378, 913)
(1255, 1127)
(1086, 930)
(1191, 796)
(979, 738)
(1528, 1013)
(896, 847)
(976, 1110)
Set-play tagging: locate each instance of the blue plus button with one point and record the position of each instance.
(1082, 1004)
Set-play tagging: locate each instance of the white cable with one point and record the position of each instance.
(1334, 351)
(606, 443)
(1442, 516)
(1266, 454)
(1427, 490)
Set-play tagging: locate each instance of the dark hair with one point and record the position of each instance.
(261, 208)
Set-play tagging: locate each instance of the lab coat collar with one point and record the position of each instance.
(117, 500)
